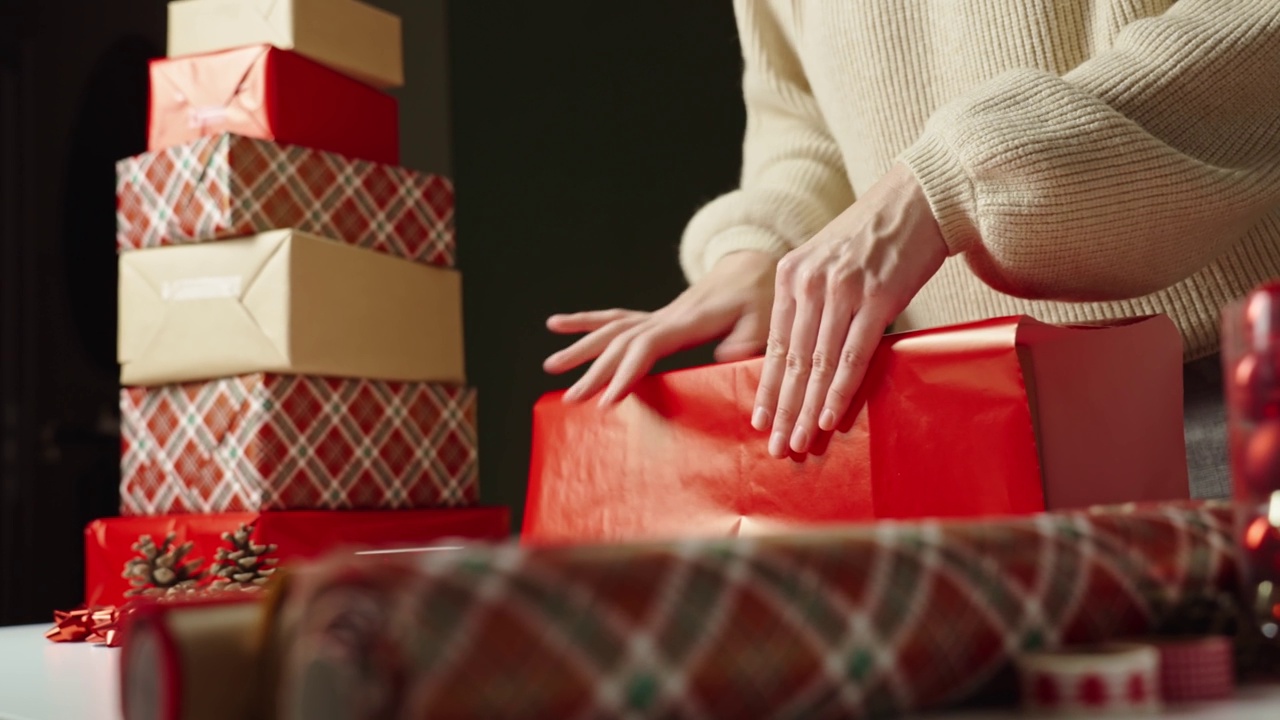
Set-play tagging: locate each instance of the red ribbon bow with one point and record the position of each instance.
(97, 624)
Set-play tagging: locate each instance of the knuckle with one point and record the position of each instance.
(811, 282)
(874, 291)
(852, 358)
(787, 267)
(775, 348)
(798, 363)
(784, 416)
(822, 364)
(838, 397)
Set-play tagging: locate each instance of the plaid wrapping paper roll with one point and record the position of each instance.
(230, 185)
(860, 622)
(294, 442)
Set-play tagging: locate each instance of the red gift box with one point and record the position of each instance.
(230, 185)
(264, 92)
(1003, 416)
(131, 557)
(294, 442)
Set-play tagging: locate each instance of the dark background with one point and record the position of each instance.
(581, 136)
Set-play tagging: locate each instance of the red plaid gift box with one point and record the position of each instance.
(229, 185)
(281, 442)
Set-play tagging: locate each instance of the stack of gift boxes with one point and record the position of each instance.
(290, 326)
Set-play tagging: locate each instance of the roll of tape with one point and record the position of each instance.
(1195, 668)
(1118, 678)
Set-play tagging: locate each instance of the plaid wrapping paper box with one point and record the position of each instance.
(228, 185)
(289, 442)
(869, 621)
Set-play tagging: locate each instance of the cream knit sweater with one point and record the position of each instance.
(1086, 159)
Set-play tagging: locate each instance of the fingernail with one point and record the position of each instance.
(800, 440)
(605, 400)
(827, 421)
(778, 445)
(760, 420)
(572, 394)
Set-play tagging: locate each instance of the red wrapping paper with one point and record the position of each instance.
(293, 442)
(1004, 416)
(296, 536)
(264, 92)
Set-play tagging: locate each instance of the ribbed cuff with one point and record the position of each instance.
(948, 188)
(742, 237)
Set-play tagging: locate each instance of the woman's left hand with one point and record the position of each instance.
(834, 296)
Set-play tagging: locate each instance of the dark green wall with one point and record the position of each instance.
(584, 134)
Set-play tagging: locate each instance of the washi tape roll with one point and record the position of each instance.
(1121, 678)
(1195, 668)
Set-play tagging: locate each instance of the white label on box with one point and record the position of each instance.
(201, 288)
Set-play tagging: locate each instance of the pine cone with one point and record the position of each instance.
(161, 569)
(243, 566)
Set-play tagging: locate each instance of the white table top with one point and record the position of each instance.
(42, 680)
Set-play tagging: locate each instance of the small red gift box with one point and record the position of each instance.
(296, 442)
(1003, 416)
(264, 92)
(171, 555)
(229, 186)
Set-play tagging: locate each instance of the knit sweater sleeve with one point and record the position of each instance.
(1127, 174)
(792, 182)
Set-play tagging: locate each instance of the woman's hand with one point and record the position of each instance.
(835, 296)
(731, 301)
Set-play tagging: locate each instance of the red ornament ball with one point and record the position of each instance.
(1261, 461)
(1255, 391)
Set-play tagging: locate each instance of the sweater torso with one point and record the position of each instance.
(880, 71)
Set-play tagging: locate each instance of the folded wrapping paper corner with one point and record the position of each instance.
(1003, 416)
(868, 621)
(282, 442)
(354, 38)
(229, 185)
(264, 92)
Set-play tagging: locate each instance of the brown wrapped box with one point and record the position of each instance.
(351, 37)
(286, 302)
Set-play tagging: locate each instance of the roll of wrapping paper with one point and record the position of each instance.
(1117, 678)
(869, 621)
(194, 660)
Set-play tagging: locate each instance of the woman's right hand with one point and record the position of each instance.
(733, 301)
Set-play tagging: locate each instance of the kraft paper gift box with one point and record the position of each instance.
(352, 37)
(286, 302)
(291, 442)
(1004, 416)
(272, 94)
(122, 554)
(231, 185)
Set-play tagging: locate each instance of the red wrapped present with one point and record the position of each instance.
(856, 622)
(355, 38)
(294, 442)
(130, 557)
(229, 185)
(264, 92)
(1002, 416)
